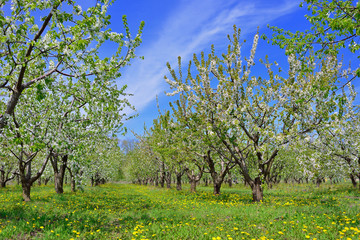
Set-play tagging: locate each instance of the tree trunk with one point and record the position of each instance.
(72, 180)
(73, 186)
(206, 180)
(46, 180)
(2, 178)
(10, 106)
(318, 182)
(97, 179)
(168, 179)
(353, 180)
(178, 181)
(230, 182)
(39, 181)
(26, 187)
(59, 182)
(245, 182)
(59, 172)
(192, 185)
(157, 180)
(162, 179)
(162, 175)
(217, 186)
(257, 190)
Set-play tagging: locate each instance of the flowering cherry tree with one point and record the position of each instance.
(51, 71)
(202, 144)
(336, 146)
(254, 117)
(63, 46)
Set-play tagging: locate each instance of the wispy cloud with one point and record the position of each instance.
(192, 26)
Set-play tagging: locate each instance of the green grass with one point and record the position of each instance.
(116, 211)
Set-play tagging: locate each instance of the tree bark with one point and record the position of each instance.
(217, 186)
(178, 181)
(230, 181)
(46, 180)
(168, 179)
(318, 182)
(59, 172)
(157, 179)
(257, 190)
(162, 176)
(192, 185)
(14, 99)
(217, 178)
(353, 180)
(26, 177)
(72, 180)
(194, 178)
(5, 176)
(73, 185)
(206, 180)
(26, 187)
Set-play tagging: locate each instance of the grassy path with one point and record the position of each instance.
(119, 211)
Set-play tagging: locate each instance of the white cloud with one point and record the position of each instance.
(194, 25)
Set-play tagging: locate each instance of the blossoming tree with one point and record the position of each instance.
(63, 45)
(254, 117)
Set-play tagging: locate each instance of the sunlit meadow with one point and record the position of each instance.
(119, 211)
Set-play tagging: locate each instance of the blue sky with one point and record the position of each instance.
(184, 27)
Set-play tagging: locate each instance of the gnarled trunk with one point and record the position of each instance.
(26, 187)
(178, 181)
(230, 181)
(206, 181)
(168, 179)
(72, 180)
(353, 180)
(5, 176)
(257, 190)
(59, 172)
(192, 185)
(46, 180)
(217, 177)
(217, 186)
(162, 179)
(73, 185)
(194, 178)
(26, 177)
(318, 182)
